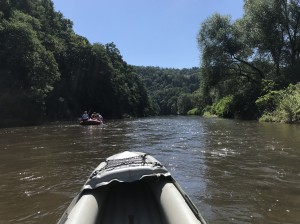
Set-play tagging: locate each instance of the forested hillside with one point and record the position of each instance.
(250, 68)
(172, 91)
(247, 64)
(48, 71)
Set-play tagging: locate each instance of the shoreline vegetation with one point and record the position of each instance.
(281, 106)
(249, 69)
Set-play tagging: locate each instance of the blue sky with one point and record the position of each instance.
(147, 32)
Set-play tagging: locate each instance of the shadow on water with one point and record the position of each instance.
(234, 171)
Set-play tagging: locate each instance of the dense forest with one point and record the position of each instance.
(170, 90)
(249, 68)
(49, 72)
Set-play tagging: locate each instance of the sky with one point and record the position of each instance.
(147, 32)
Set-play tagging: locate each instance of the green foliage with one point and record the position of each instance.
(184, 104)
(194, 111)
(49, 70)
(268, 102)
(5, 9)
(244, 103)
(170, 89)
(287, 108)
(223, 108)
(201, 101)
(225, 69)
(243, 60)
(26, 61)
(281, 19)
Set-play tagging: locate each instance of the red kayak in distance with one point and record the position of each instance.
(90, 122)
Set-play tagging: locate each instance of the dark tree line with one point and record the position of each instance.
(49, 72)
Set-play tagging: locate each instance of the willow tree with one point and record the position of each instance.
(253, 55)
(227, 67)
(273, 30)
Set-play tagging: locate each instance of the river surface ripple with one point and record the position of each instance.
(234, 171)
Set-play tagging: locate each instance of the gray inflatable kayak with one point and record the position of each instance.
(131, 188)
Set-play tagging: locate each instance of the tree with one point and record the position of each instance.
(47, 70)
(224, 51)
(26, 63)
(227, 67)
(273, 29)
(244, 57)
(184, 103)
(167, 85)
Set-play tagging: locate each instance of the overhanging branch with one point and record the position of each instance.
(259, 72)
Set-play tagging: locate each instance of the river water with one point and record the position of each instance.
(234, 171)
